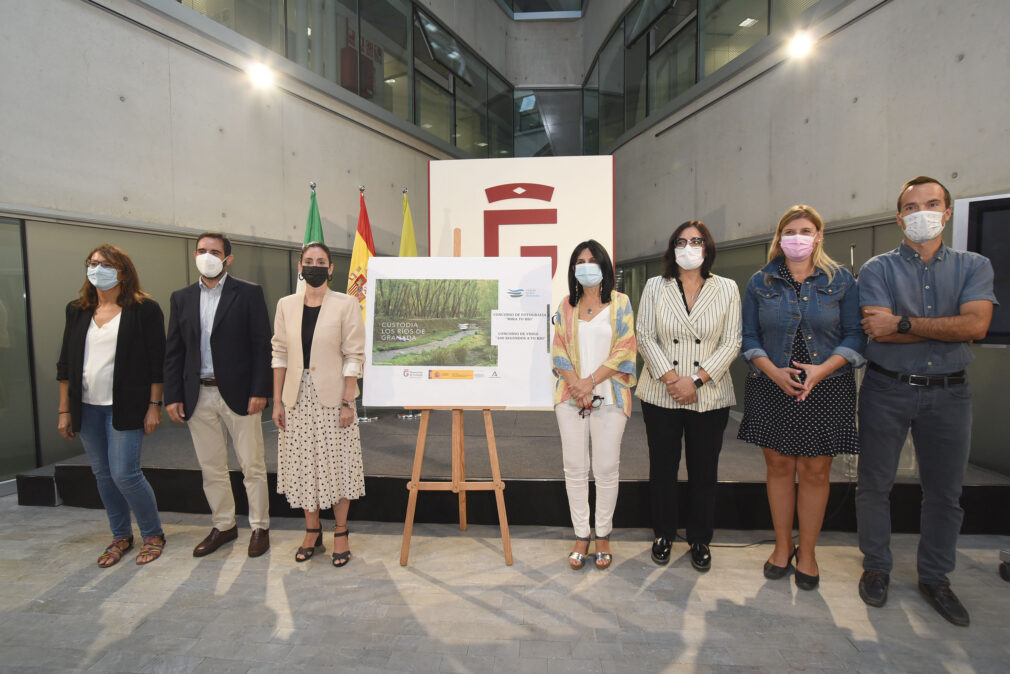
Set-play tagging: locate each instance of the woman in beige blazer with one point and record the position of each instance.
(688, 334)
(318, 350)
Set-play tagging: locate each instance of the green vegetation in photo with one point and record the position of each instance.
(434, 322)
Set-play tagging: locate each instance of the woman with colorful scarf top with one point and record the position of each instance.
(594, 366)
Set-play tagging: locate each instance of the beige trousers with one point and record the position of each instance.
(207, 427)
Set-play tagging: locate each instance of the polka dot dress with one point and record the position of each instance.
(318, 462)
(822, 425)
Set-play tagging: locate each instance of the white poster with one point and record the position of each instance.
(530, 207)
(458, 332)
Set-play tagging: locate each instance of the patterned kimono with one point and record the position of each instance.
(623, 347)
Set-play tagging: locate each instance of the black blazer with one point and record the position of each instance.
(239, 343)
(140, 352)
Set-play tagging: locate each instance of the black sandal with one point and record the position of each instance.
(305, 554)
(341, 558)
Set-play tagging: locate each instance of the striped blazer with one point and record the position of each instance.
(669, 338)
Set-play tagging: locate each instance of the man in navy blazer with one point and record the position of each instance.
(217, 379)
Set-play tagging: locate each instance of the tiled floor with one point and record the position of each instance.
(457, 607)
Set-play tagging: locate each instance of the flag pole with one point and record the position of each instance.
(408, 415)
(363, 417)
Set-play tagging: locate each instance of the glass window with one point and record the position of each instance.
(784, 11)
(259, 20)
(547, 122)
(546, 5)
(635, 69)
(17, 451)
(591, 112)
(729, 28)
(673, 69)
(442, 47)
(641, 16)
(382, 57)
(471, 107)
(323, 37)
(500, 117)
(612, 90)
(433, 107)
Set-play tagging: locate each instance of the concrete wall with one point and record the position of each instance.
(917, 87)
(113, 121)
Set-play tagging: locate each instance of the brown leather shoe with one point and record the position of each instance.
(215, 539)
(259, 542)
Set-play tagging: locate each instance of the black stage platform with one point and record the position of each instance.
(530, 455)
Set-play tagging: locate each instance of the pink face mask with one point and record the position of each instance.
(798, 247)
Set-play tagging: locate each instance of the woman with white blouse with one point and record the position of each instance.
(594, 366)
(111, 379)
(689, 332)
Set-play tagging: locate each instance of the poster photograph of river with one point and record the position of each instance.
(434, 322)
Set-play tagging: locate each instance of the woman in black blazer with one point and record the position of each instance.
(110, 374)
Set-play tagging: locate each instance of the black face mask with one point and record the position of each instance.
(315, 276)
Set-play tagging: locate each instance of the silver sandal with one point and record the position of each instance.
(604, 557)
(576, 560)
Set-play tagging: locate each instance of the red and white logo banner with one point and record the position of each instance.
(532, 207)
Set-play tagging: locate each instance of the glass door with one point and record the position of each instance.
(17, 415)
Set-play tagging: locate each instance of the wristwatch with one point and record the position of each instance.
(348, 403)
(698, 383)
(904, 325)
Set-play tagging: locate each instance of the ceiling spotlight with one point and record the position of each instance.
(482, 144)
(748, 22)
(800, 44)
(260, 75)
(391, 80)
(426, 125)
(503, 151)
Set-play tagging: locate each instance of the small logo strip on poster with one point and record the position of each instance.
(514, 293)
(450, 374)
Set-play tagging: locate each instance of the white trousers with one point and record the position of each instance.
(604, 426)
(211, 418)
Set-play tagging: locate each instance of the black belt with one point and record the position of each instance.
(208, 382)
(920, 379)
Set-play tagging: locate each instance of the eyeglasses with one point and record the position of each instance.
(594, 404)
(696, 242)
(105, 264)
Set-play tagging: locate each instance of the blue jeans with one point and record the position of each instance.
(115, 461)
(940, 419)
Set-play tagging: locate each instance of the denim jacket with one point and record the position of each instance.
(828, 313)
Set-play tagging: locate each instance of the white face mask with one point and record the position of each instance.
(689, 257)
(209, 265)
(923, 226)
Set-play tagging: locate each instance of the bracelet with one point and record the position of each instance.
(591, 377)
(348, 404)
(156, 402)
(63, 412)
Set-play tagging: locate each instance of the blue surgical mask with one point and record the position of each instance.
(102, 278)
(588, 274)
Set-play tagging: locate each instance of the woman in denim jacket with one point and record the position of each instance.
(802, 337)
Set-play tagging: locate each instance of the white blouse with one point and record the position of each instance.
(100, 362)
(595, 337)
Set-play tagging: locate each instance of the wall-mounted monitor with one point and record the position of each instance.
(982, 225)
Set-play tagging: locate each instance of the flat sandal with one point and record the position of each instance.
(576, 560)
(341, 557)
(153, 546)
(603, 559)
(117, 548)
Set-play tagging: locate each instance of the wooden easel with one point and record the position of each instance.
(458, 484)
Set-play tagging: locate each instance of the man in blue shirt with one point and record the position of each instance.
(923, 304)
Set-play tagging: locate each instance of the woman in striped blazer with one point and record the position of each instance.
(689, 333)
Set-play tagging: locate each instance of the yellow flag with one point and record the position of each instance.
(363, 250)
(408, 244)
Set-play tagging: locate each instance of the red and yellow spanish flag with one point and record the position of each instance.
(364, 249)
